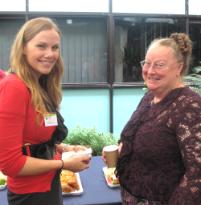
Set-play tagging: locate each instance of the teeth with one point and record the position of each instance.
(49, 63)
(153, 78)
(46, 61)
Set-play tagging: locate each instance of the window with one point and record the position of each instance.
(149, 7)
(11, 5)
(9, 28)
(69, 5)
(132, 37)
(194, 7)
(84, 49)
(195, 34)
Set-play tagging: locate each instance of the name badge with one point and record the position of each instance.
(50, 120)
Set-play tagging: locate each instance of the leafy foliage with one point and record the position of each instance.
(194, 80)
(90, 137)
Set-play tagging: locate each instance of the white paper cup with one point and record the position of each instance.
(111, 155)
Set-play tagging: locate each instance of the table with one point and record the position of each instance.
(96, 191)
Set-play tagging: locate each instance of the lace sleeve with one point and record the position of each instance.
(188, 125)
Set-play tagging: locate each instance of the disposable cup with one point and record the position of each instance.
(111, 155)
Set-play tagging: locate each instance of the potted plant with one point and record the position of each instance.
(90, 137)
(193, 80)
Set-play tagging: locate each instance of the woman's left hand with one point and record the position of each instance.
(64, 148)
(67, 148)
(77, 148)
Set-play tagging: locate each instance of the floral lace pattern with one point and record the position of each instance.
(165, 152)
(128, 199)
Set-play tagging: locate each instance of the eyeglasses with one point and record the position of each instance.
(156, 65)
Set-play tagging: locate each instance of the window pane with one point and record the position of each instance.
(9, 28)
(13, 5)
(149, 7)
(84, 49)
(69, 5)
(132, 37)
(194, 7)
(195, 31)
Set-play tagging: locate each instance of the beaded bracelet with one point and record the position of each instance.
(62, 164)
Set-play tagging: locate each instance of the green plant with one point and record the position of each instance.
(193, 80)
(90, 137)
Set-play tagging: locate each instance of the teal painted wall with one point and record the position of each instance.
(86, 108)
(90, 108)
(125, 102)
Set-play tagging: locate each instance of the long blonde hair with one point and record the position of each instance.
(48, 89)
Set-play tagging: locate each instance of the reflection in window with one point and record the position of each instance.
(195, 34)
(132, 37)
(9, 28)
(84, 50)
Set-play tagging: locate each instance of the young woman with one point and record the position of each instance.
(2, 74)
(31, 127)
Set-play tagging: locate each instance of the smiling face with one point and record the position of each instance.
(42, 51)
(161, 71)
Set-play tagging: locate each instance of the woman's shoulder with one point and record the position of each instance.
(148, 97)
(191, 95)
(12, 83)
(189, 99)
(12, 79)
(2, 74)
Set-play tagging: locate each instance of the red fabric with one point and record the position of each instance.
(2, 74)
(17, 127)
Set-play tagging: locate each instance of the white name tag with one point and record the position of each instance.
(50, 120)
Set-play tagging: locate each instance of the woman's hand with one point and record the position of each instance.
(76, 163)
(67, 148)
(62, 148)
(77, 148)
(120, 147)
(103, 156)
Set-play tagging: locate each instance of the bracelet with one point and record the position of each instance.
(62, 164)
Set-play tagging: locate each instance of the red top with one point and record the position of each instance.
(18, 126)
(2, 74)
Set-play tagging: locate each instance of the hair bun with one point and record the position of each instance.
(183, 41)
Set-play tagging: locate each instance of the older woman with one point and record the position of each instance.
(160, 157)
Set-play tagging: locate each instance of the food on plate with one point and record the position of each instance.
(111, 177)
(2, 181)
(69, 182)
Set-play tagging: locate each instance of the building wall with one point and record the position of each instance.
(90, 108)
(115, 24)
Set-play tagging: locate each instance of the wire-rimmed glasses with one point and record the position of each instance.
(158, 65)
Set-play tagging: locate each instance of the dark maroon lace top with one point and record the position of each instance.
(161, 155)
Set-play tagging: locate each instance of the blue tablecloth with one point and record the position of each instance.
(96, 191)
